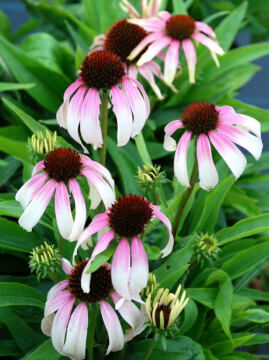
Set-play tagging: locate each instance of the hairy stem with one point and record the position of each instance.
(151, 347)
(91, 332)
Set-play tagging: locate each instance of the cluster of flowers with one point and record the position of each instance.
(132, 46)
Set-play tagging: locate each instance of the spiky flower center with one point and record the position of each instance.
(129, 215)
(180, 27)
(100, 287)
(63, 164)
(200, 117)
(123, 37)
(102, 69)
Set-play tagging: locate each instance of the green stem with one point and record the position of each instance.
(91, 331)
(142, 149)
(61, 245)
(151, 347)
(103, 120)
(186, 197)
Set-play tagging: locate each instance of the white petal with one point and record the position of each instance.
(180, 160)
(63, 210)
(140, 268)
(80, 208)
(30, 188)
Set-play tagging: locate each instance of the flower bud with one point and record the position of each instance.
(206, 248)
(151, 286)
(42, 144)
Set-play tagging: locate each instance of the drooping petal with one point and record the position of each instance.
(137, 105)
(225, 110)
(229, 152)
(132, 71)
(164, 219)
(57, 288)
(180, 160)
(57, 301)
(154, 49)
(140, 267)
(123, 114)
(101, 246)
(93, 165)
(209, 43)
(248, 141)
(107, 194)
(151, 25)
(129, 9)
(190, 54)
(169, 143)
(46, 324)
(67, 267)
(76, 335)
(89, 122)
(30, 188)
(59, 325)
(38, 167)
(73, 114)
(61, 114)
(132, 315)
(246, 122)
(171, 61)
(63, 212)
(143, 92)
(37, 206)
(113, 327)
(200, 26)
(99, 222)
(80, 208)
(164, 15)
(147, 73)
(120, 269)
(144, 43)
(72, 88)
(208, 174)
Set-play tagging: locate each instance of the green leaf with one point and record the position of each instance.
(8, 169)
(8, 86)
(50, 85)
(10, 208)
(227, 30)
(243, 228)
(190, 316)
(104, 11)
(15, 148)
(179, 7)
(223, 302)
(44, 351)
(5, 26)
(205, 215)
(24, 336)
(102, 258)
(207, 297)
(254, 315)
(256, 295)
(227, 346)
(13, 237)
(246, 260)
(19, 294)
(142, 149)
(9, 348)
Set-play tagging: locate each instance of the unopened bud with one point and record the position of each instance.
(206, 248)
(151, 286)
(42, 144)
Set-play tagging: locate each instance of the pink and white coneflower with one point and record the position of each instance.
(174, 31)
(121, 39)
(56, 174)
(149, 8)
(125, 220)
(223, 128)
(67, 312)
(103, 71)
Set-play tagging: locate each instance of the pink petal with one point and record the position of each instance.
(139, 268)
(154, 49)
(101, 246)
(210, 44)
(73, 114)
(57, 301)
(106, 193)
(37, 206)
(76, 336)
(63, 212)
(144, 43)
(225, 110)
(147, 72)
(169, 143)
(60, 324)
(164, 15)
(99, 222)
(200, 26)
(180, 160)
(123, 114)
(113, 327)
(67, 267)
(129, 9)
(137, 105)
(191, 59)
(57, 288)
(120, 268)
(89, 123)
(164, 219)
(145, 96)
(93, 165)
(38, 167)
(229, 152)
(132, 71)
(81, 213)
(152, 25)
(208, 174)
(72, 88)
(171, 61)
(30, 188)
(246, 122)
(250, 142)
